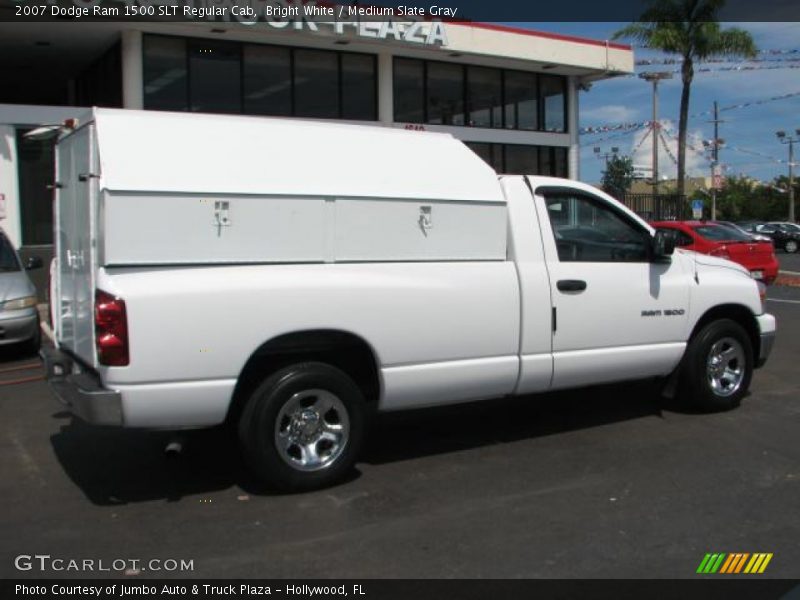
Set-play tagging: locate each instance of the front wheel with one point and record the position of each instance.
(301, 429)
(718, 367)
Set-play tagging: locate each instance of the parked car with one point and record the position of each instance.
(786, 240)
(789, 229)
(758, 237)
(710, 237)
(19, 318)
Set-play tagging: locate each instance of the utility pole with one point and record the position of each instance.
(654, 77)
(598, 153)
(715, 144)
(784, 139)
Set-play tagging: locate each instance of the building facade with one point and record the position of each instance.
(510, 94)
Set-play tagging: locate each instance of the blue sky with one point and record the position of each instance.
(746, 130)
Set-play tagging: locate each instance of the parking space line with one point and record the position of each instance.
(789, 272)
(782, 300)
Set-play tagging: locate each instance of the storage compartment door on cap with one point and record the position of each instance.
(418, 230)
(169, 228)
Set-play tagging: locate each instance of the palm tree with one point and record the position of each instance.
(690, 29)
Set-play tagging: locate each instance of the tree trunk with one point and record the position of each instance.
(687, 74)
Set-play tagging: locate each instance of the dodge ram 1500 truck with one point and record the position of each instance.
(288, 277)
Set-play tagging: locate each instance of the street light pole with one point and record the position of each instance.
(654, 77)
(784, 139)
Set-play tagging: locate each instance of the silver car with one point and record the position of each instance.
(19, 317)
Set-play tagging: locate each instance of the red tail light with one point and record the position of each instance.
(722, 252)
(111, 330)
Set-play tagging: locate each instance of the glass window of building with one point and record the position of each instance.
(445, 89)
(316, 84)
(267, 80)
(490, 153)
(215, 81)
(560, 162)
(485, 97)
(521, 160)
(517, 159)
(35, 163)
(521, 102)
(409, 90)
(554, 102)
(165, 73)
(359, 94)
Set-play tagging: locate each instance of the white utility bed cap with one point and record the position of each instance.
(178, 188)
(146, 151)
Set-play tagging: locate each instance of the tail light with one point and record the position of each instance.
(111, 330)
(722, 252)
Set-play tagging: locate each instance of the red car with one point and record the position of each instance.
(710, 237)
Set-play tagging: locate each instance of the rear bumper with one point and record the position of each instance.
(766, 328)
(80, 390)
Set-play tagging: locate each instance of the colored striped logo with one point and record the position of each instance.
(735, 563)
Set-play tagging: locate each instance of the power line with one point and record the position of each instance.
(595, 129)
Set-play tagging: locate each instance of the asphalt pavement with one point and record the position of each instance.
(602, 482)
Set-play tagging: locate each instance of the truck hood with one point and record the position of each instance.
(704, 261)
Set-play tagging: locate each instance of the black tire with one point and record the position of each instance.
(314, 384)
(711, 386)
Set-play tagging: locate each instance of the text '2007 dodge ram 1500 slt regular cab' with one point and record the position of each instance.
(288, 277)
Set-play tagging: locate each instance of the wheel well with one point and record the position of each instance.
(340, 349)
(735, 312)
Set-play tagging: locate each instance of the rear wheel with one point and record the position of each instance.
(302, 428)
(790, 246)
(718, 367)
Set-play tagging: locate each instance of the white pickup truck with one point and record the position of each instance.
(289, 277)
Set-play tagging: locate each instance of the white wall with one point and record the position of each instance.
(8, 184)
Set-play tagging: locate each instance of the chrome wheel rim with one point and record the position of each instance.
(725, 367)
(312, 430)
(791, 246)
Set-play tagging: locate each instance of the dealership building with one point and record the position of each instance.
(511, 94)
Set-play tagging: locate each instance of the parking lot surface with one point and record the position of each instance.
(601, 482)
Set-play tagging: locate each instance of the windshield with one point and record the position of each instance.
(718, 233)
(8, 258)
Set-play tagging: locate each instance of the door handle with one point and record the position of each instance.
(571, 285)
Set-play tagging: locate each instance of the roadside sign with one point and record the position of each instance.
(717, 182)
(697, 209)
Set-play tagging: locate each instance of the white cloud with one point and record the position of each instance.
(642, 152)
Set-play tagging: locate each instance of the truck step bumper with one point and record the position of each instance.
(80, 390)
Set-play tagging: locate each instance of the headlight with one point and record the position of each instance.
(19, 303)
(762, 293)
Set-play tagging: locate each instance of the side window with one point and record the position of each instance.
(680, 238)
(586, 230)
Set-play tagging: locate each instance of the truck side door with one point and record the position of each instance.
(617, 314)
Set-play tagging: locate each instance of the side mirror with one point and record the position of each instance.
(34, 262)
(663, 244)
